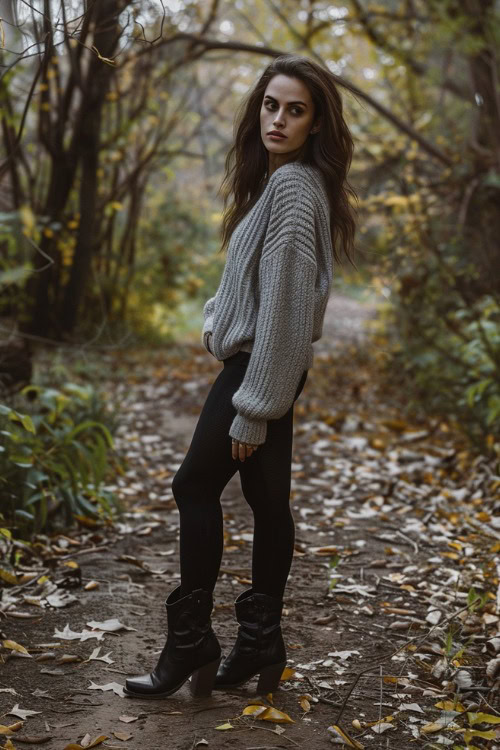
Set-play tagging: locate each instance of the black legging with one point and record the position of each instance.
(265, 482)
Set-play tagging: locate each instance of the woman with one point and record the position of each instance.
(291, 157)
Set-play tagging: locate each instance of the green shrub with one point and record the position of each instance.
(446, 355)
(54, 458)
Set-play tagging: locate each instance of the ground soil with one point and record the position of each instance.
(357, 516)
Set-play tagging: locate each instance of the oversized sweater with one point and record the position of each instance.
(272, 296)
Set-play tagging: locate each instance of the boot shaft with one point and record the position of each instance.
(259, 619)
(189, 618)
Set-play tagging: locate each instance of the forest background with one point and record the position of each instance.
(116, 118)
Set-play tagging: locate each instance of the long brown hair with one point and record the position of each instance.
(329, 149)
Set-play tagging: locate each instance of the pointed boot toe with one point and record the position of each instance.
(191, 651)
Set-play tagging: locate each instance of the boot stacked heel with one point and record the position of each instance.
(259, 647)
(203, 679)
(269, 678)
(192, 650)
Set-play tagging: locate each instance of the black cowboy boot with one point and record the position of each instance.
(259, 647)
(192, 648)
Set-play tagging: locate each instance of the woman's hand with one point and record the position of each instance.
(208, 342)
(242, 450)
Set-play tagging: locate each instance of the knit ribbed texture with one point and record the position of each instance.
(273, 295)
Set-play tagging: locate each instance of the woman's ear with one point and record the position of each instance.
(315, 127)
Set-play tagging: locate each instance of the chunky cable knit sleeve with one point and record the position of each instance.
(284, 327)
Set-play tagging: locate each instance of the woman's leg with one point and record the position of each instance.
(266, 482)
(198, 483)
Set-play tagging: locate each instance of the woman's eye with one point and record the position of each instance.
(295, 110)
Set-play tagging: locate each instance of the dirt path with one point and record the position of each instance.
(395, 525)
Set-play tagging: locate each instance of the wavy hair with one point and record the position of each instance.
(330, 149)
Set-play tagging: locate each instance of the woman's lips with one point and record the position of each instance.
(276, 137)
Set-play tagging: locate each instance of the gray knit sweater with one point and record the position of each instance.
(273, 294)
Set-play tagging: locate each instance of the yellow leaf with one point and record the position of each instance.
(227, 725)
(450, 706)
(9, 746)
(76, 746)
(272, 714)
(489, 735)
(14, 646)
(483, 516)
(304, 703)
(480, 717)
(356, 724)
(5, 730)
(287, 673)
(349, 741)
(434, 726)
(378, 721)
(254, 710)
(8, 577)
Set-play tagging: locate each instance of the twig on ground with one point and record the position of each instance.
(381, 693)
(411, 541)
(383, 657)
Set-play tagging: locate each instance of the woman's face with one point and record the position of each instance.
(287, 107)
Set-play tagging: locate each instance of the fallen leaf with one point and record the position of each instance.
(272, 714)
(470, 733)
(95, 657)
(254, 710)
(22, 713)
(287, 674)
(227, 725)
(341, 737)
(61, 599)
(15, 647)
(382, 727)
(342, 655)
(304, 702)
(111, 625)
(410, 707)
(450, 706)
(69, 635)
(76, 746)
(433, 726)
(114, 686)
(480, 717)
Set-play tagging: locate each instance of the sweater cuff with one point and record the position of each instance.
(208, 324)
(207, 328)
(246, 430)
